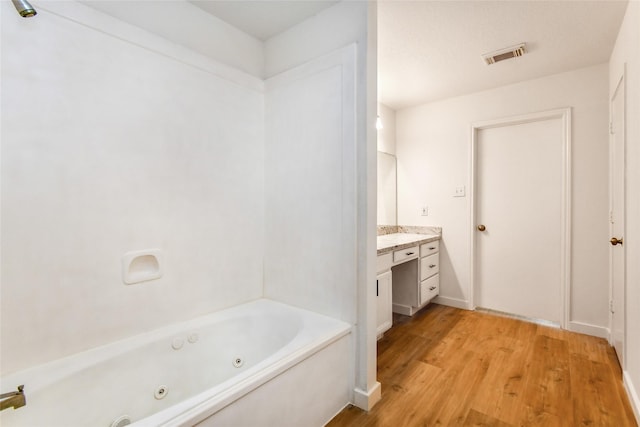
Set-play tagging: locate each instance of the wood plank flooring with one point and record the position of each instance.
(450, 367)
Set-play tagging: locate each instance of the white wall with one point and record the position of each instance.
(626, 56)
(108, 147)
(186, 24)
(387, 135)
(433, 149)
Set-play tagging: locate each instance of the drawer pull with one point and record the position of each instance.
(431, 265)
(408, 253)
(432, 288)
(431, 248)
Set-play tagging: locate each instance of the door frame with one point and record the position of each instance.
(564, 114)
(620, 87)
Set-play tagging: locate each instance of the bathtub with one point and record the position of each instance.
(262, 363)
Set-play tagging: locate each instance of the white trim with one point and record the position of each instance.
(367, 399)
(541, 322)
(565, 263)
(632, 392)
(344, 57)
(453, 302)
(588, 329)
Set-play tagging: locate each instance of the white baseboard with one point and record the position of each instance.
(367, 399)
(405, 310)
(632, 392)
(585, 328)
(580, 327)
(453, 302)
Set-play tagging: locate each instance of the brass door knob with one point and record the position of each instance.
(481, 227)
(615, 241)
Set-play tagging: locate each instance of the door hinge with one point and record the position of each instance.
(611, 132)
(611, 306)
(611, 217)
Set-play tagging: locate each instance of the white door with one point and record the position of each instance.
(617, 221)
(519, 200)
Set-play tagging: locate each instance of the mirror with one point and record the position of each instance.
(386, 189)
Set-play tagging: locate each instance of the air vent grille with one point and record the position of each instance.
(503, 54)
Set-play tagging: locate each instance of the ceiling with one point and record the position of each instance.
(430, 50)
(263, 19)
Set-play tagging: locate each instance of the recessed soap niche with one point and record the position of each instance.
(141, 266)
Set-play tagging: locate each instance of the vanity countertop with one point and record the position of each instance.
(396, 241)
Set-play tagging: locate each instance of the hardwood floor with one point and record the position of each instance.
(451, 367)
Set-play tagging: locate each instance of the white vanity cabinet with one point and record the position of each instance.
(384, 319)
(414, 262)
(429, 271)
(416, 277)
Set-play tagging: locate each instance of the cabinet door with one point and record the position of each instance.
(384, 313)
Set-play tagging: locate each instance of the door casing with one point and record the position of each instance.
(564, 114)
(620, 90)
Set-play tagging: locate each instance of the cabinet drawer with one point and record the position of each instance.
(429, 248)
(429, 288)
(429, 266)
(404, 254)
(383, 263)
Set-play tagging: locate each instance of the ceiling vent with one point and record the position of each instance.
(506, 53)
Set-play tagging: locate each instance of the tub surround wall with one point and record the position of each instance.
(343, 274)
(310, 156)
(128, 148)
(433, 142)
(626, 58)
(141, 143)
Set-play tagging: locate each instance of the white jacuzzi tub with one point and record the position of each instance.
(198, 371)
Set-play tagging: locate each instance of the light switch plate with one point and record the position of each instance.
(459, 192)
